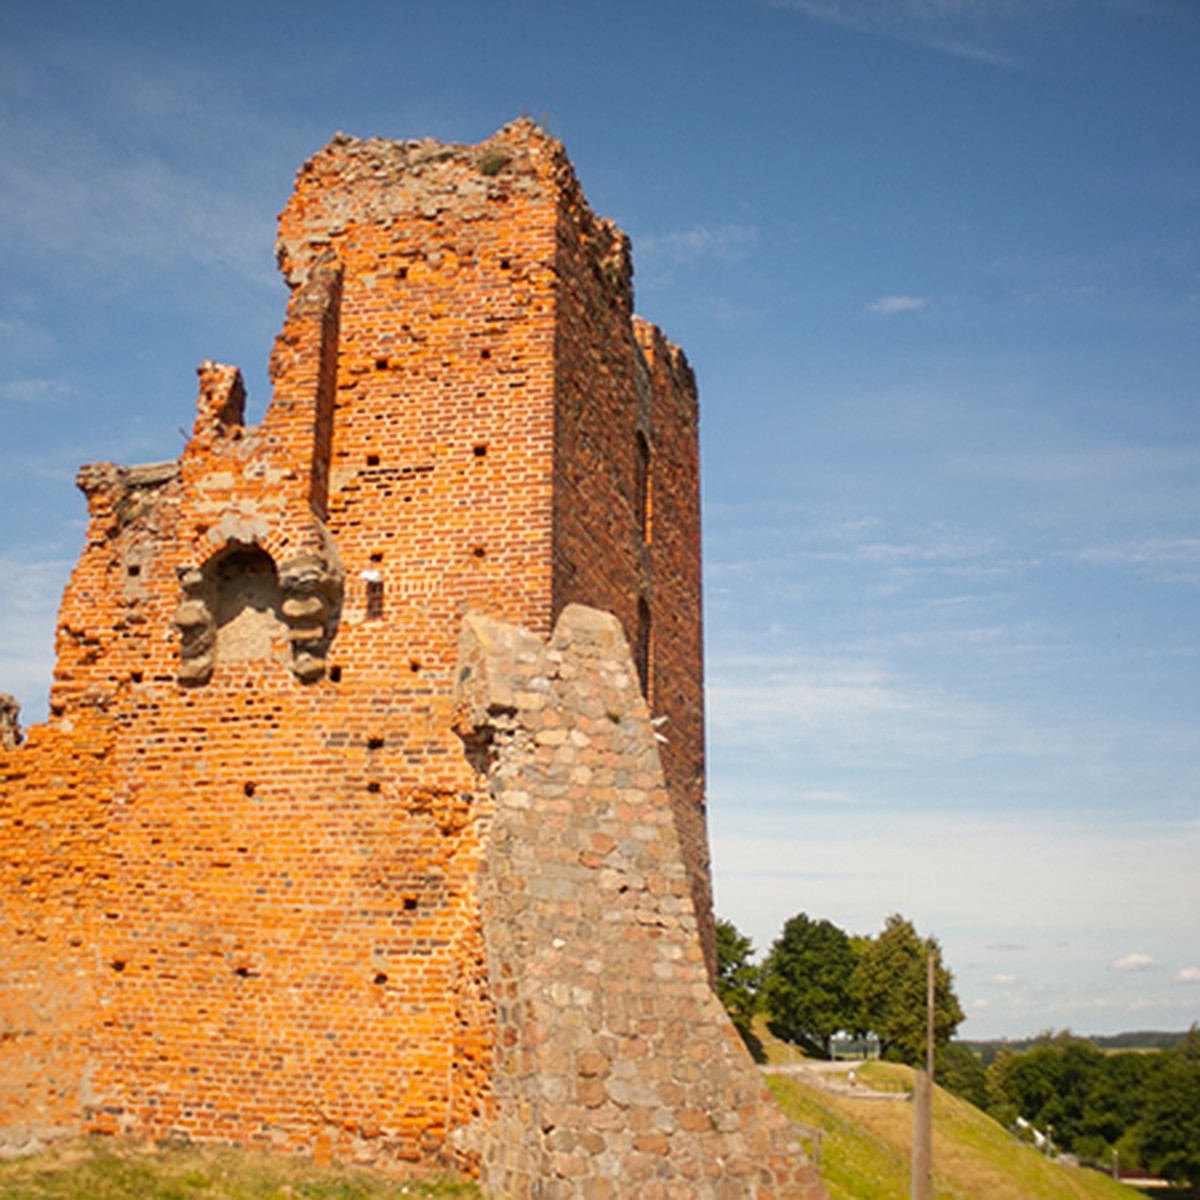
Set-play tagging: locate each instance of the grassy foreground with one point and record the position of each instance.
(866, 1147)
(104, 1169)
(864, 1155)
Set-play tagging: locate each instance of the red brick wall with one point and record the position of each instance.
(53, 820)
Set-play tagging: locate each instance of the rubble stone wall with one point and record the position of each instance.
(618, 1072)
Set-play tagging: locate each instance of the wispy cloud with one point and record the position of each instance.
(889, 306)
(1165, 559)
(34, 391)
(964, 28)
(132, 192)
(845, 712)
(660, 255)
(997, 32)
(1188, 975)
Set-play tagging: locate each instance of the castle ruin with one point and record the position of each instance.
(368, 820)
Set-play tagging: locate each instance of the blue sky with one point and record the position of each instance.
(937, 264)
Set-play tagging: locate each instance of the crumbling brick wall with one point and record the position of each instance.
(242, 861)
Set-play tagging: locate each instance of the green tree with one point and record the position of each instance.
(1051, 1085)
(806, 990)
(1114, 1104)
(738, 981)
(1170, 1127)
(960, 1070)
(1091, 1102)
(890, 982)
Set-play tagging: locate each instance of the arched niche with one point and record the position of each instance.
(247, 605)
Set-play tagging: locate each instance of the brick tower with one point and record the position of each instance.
(334, 747)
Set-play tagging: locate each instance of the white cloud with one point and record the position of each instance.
(1135, 962)
(829, 797)
(1003, 979)
(1188, 975)
(887, 306)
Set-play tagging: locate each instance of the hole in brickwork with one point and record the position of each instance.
(335, 674)
(118, 965)
(410, 904)
(414, 665)
(505, 264)
(248, 600)
(136, 676)
(372, 460)
(245, 973)
(644, 646)
(479, 450)
(377, 556)
(641, 487)
(479, 552)
(381, 364)
(485, 354)
(134, 570)
(373, 787)
(374, 599)
(380, 978)
(402, 273)
(374, 743)
(248, 789)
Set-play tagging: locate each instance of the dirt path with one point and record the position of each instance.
(837, 1078)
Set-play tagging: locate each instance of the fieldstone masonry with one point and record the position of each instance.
(293, 863)
(617, 1070)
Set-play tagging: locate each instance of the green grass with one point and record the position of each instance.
(866, 1147)
(107, 1169)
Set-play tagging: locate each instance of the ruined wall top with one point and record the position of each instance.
(353, 180)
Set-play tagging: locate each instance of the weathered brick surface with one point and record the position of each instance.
(240, 866)
(618, 1072)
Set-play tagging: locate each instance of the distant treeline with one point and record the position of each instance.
(1142, 1039)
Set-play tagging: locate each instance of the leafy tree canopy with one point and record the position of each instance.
(890, 980)
(738, 980)
(1170, 1126)
(807, 983)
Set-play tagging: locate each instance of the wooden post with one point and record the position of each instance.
(922, 1156)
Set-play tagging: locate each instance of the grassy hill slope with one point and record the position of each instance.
(866, 1146)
